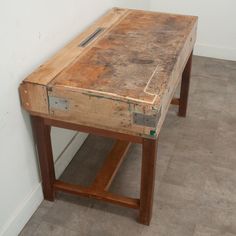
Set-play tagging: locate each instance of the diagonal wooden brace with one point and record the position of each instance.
(111, 165)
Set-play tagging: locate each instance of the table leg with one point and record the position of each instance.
(149, 155)
(44, 148)
(184, 90)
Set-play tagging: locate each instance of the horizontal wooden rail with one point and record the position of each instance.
(111, 165)
(93, 130)
(100, 195)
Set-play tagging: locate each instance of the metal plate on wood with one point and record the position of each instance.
(58, 103)
(146, 120)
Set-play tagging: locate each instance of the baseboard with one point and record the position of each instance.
(69, 152)
(23, 213)
(215, 52)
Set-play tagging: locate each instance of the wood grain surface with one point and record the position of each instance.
(132, 66)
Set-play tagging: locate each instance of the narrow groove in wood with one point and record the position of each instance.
(100, 195)
(111, 165)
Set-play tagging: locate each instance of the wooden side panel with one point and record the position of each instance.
(34, 97)
(98, 112)
(46, 72)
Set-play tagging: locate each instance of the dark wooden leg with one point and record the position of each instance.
(147, 179)
(183, 101)
(44, 148)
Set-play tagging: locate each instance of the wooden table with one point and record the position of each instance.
(116, 79)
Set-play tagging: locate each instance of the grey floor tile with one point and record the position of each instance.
(219, 190)
(172, 193)
(29, 229)
(188, 174)
(43, 209)
(206, 231)
(47, 229)
(67, 214)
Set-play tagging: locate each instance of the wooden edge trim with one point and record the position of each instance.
(100, 195)
(111, 165)
(97, 131)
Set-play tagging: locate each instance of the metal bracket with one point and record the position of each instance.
(146, 120)
(58, 103)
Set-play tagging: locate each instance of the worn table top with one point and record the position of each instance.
(128, 55)
(134, 59)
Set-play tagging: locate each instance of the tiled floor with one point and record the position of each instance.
(195, 181)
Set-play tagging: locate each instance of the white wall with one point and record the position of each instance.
(30, 32)
(135, 4)
(217, 24)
